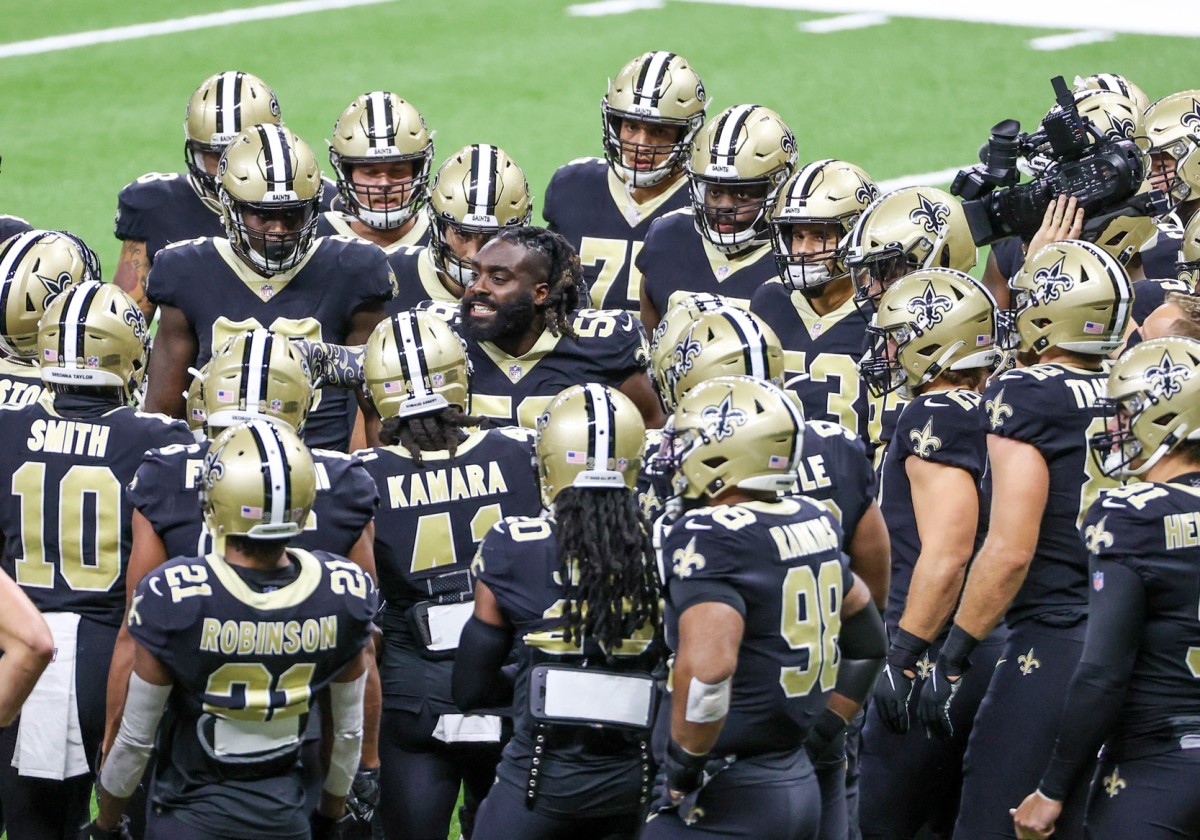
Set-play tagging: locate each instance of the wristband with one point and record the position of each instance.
(684, 770)
(905, 650)
(956, 652)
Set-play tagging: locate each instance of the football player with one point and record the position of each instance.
(528, 340)
(766, 620)
(444, 484)
(67, 536)
(810, 306)
(164, 207)
(270, 271)
(476, 193)
(934, 334)
(737, 164)
(1178, 313)
(35, 266)
(1072, 301)
(651, 113)
(382, 152)
(231, 646)
(1134, 689)
(578, 589)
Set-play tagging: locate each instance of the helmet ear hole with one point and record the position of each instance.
(714, 463)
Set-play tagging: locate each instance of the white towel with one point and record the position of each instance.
(49, 740)
(467, 729)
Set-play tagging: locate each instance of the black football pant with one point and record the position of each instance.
(42, 809)
(913, 780)
(419, 776)
(1151, 798)
(839, 789)
(1014, 733)
(503, 816)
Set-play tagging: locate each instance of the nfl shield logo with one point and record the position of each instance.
(1097, 581)
(92, 362)
(267, 291)
(515, 372)
(277, 406)
(722, 272)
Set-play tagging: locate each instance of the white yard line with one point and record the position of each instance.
(841, 23)
(924, 179)
(603, 8)
(167, 27)
(1049, 43)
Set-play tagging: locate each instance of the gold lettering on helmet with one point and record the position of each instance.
(68, 437)
(269, 638)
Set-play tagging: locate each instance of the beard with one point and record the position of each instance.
(510, 319)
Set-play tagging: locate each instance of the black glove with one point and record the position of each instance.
(933, 707)
(322, 827)
(894, 687)
(91, 831)
(826, 740)
(364, 795)
(686, 774)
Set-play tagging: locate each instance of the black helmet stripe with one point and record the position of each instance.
(650, 81)
(805, 181)
(724, 144)
(277, 158)
(256, 368)
(380, 119)
(277, 485)
(754, 342)
(602, 426)
(10, 258)
(411, 352)
(72, 333)
(482, 198)
(228, 102)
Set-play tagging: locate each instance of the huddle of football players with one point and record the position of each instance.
(727, 505)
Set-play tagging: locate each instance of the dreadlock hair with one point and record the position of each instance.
(607, 563)
(433, 432)
(563, 273)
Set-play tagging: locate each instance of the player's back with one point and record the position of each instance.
(65, 522)
(20, 383)
(163, 207)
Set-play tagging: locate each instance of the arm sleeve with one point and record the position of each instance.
(1098, 687)
(478, 681)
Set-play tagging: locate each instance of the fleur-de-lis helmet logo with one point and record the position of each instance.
(929, 307)
(1191, 119)
(722, 418)
(686, 352)
(1167, 377)
(1121, 128)
(1050, 282)
(866, 192)
(933, 216)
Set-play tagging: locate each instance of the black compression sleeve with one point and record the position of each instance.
(1115, 615)
(478, 681)
(863, 642)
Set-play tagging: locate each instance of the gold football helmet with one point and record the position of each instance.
(479, 190)
(258, 481)
(1116, 84)
(830, 193)
(1114, 115)
(671, 329)
(905, 230)
(1188, 267)
(727, 342)
(93, 335)
(34, 267)
(1073, 295)
(1152, 405)
(734, 431)
(589, 436)
(269, 172)
(257, 375)
(381, 128)
(931, 321)
(739, 161)
(223, 105)
(415, 364)
(194, 398)
(659, 88)
(1173, 127)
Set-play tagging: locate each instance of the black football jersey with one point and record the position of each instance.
(942, 427)
(248, 650)
(836, 471)
(589, 205)
(160, 208)
(1154, 530)
(221, 297)
(1050, 407)
(12, 225)
(585, 770)
(610, 346)
(781, 566)
(65, 521)
(20, 384)
(1149, 294)
(676, 261)
(430, 521)
(165, 490)
(399, 253)
(417, 281)
(1160, 253)
(1010, 256)
(821, 354)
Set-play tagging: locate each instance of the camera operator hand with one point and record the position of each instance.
(1063, 220)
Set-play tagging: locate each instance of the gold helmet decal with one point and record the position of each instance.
(1073, 295)
(415, 364)
(659, 88)
(258, 481)
(1152, 405)
(223, 105)
(257, 375)
(93, 335)
(381, 128)
(36, 266)
(589, 436)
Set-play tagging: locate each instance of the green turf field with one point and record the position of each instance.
(910, 96)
